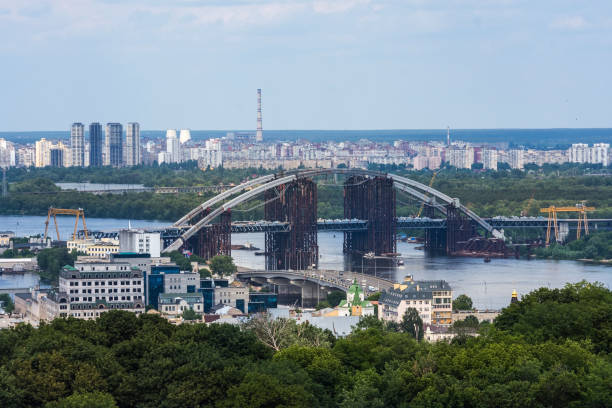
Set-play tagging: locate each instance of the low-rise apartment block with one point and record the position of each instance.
(173, 305)
(432, 299)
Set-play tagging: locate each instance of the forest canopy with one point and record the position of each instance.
(552, 348)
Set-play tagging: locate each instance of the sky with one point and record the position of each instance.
(321, 64)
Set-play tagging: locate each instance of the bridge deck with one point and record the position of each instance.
(355, 225)
(324, 277)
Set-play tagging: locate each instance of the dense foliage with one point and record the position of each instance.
(166, 175)
(7, 303)
(488, 193)
(595, 246)
(51, 260)
(580, 312)
(462, 302)
(17, 253)
(539, 353)
(222, 265)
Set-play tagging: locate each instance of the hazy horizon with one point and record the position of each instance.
(321, 64)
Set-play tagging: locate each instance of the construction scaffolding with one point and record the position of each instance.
(459, 229)
(355, 195)
(371, 199)
(215, 239)
(296, 204)
(435, 239)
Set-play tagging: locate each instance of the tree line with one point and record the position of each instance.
(551, 349)
(488, 193)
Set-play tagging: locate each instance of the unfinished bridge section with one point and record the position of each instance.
(371, 199)
(296, 204)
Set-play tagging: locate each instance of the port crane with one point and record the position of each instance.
(552, 211)
(65, 211)
(433, 178)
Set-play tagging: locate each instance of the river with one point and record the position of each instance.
(488, 284)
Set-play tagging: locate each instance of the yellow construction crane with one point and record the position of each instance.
(552, 211)
(65, 211)
(525, 211)
(433, 178)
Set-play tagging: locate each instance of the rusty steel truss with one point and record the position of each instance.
(215, 239)
(371, 199)
(296, 204)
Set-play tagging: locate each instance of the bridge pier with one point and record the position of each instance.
(371, 199)
(296, 204)
(215, 239)
(435, 239)
(459, 229)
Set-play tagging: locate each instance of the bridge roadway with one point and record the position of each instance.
(356, 225)
(13, 291)
(324, 278)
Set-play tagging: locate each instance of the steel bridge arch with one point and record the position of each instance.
(257, 186)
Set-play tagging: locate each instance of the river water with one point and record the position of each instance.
(488, 284)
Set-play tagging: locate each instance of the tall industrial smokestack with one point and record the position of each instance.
(448, 135)
(259, 134)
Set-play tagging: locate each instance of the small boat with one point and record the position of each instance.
(487, 259)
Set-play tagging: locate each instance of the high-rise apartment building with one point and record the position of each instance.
(96, 145)
(582, 153)
(57, 157)
(26, 156)
(173, 146)
(489, 159)
(579, 153)
(77, 144)
(600, 153)
(132, 144)
(7, 154)
(184, 136)
(43, 154)
(114, 144)
(517, 159)
(460, 157)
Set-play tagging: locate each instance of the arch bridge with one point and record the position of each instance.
(291, 197)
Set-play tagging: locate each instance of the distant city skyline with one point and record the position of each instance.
(321, 64)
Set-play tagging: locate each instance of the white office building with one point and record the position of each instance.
(86, 290)
(140, 242)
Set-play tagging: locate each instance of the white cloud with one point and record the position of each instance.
(336, 6)
(571, 23)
